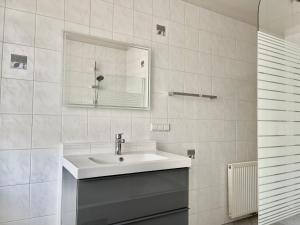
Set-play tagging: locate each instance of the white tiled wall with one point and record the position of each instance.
(201, 52)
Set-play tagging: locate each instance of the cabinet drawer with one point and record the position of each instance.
(110, 200)
(177, 217)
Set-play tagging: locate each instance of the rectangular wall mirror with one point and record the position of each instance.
(105, 73)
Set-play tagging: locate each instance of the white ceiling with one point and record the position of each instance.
(244, 10)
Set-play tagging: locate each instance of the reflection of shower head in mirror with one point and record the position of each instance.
(100, 78)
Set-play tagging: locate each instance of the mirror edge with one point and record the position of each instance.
(96, 38)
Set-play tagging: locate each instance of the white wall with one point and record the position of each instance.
(202, 52)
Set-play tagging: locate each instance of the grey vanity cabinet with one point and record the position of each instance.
(149, 198)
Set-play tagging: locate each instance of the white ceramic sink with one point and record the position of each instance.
(127, 158)
(99, 165)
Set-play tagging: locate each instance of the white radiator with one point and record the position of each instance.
(242, 189)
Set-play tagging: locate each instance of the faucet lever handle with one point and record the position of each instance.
(119, 135)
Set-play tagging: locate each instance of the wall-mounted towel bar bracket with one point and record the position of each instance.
(192, 95)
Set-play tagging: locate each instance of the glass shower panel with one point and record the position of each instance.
(279, 112)
(278, 129)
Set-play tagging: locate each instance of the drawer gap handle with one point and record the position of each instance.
(152, 216)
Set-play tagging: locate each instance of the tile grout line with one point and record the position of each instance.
(90, 18)
(2, 52)
(87, 114)
(32, 116)
(62, 80)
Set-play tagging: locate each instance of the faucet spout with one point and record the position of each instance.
(118, 143)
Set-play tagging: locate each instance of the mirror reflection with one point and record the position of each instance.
(105, 73)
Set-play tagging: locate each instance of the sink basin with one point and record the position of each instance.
(127, 158)
(100, 165)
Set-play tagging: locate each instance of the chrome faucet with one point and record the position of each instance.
(118, 143)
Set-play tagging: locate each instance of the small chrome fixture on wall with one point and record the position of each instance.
(161, 30)
(191, 153)
(18, 61)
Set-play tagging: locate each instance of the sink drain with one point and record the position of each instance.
(121, 159)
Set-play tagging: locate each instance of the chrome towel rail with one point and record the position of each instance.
(173, 93)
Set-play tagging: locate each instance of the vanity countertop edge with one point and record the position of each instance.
(89, 169)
